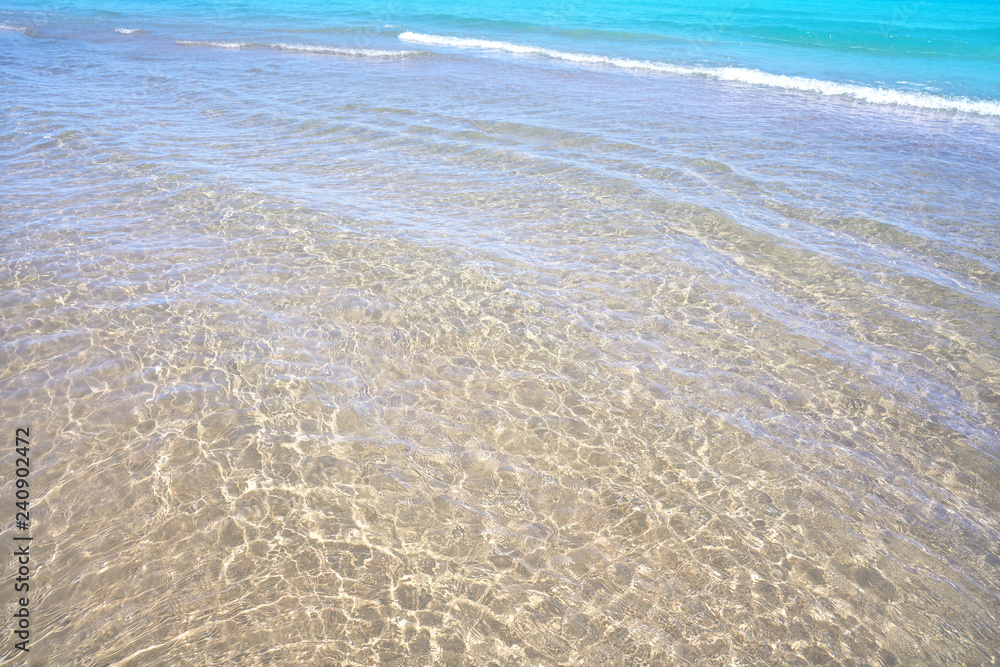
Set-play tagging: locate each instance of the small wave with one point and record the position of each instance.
(15, 28)
(304, 48)
(736, 74)
(864, 93)
(218, 45)
(128, 31)
(308, 48)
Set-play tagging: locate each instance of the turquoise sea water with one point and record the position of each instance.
(905, 52)
(551, 333)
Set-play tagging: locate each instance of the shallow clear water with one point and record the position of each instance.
(339, 348)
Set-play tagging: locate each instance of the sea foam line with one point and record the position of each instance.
(128, 31)
(218, 45)
(15, 28)
(303, 48)
(738, 74)
(308, 48)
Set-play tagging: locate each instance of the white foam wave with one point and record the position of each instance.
(127, 31)
(309, 48)
(737, 74)
(15, 28)
(218, 45)
(302, 48)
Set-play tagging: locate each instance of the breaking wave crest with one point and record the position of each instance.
(738, 74)
(304, 48)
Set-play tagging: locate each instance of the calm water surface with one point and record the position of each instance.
(338, 348)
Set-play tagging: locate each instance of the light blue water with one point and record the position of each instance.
(557, 333)
(930, 53)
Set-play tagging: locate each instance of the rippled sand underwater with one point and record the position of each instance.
(330, 360)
